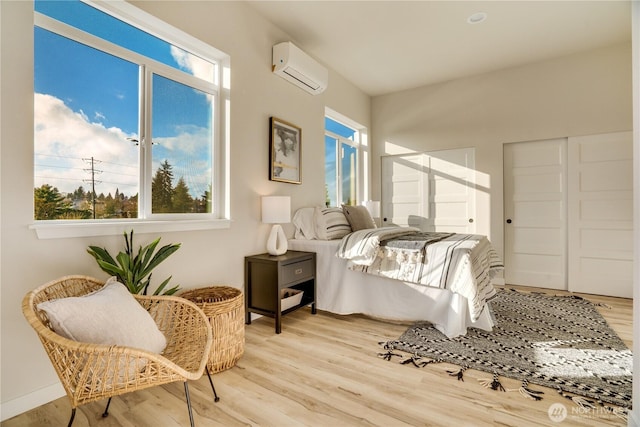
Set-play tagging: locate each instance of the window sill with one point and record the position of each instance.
(67, 229)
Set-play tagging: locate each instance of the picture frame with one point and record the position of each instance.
(285, 151)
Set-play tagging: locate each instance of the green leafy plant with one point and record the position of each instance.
(135, 271)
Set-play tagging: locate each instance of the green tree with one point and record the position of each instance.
(130, 207)
(203, 204)
(181, 200)
(79, 195)
(110, 207)
(162, 189)
(327, 199)
(76, 214)
(48, 202)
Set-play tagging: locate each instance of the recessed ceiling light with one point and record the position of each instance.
(477, 18)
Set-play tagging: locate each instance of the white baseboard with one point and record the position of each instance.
(29, 401)
(633, 418)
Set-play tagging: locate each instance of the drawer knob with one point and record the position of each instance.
(298, 271)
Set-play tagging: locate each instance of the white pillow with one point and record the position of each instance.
(109, 316)
(331, 224)
(304, 223)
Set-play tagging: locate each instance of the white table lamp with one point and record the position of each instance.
(276, 210)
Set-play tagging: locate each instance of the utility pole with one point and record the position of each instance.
(93, 171)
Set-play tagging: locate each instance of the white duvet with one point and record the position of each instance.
(464, 264)
(341, 290)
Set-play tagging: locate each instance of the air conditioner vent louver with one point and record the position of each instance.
(295, 66)
(305, 80)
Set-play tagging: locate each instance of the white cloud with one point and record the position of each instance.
(191, 140)
(193, 64)
(65, 141)
(189, 152)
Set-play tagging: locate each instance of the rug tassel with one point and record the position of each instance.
(578, 400)
(389, 353)
(458, 374)
(414, 360)
(417, 361)
(622, 413)
(528, 392)
(583, 402)
(618, 411)
(601, 304)
(493, 384)
(428, 362)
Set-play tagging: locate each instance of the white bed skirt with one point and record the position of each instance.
(343, 291)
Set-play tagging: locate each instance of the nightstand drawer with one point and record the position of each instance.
(298, 271)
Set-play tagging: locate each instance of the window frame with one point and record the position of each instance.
(219, 89)
(360, 143)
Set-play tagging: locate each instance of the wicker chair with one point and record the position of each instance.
(90, 372)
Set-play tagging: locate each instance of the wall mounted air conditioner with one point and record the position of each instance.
(295, 66)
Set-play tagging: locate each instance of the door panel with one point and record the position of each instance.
(601, 214)
(453, 185)
(405, 186)
(433, 191)
(535, 213)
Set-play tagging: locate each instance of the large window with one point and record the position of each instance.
(344, 165)
(128, 125)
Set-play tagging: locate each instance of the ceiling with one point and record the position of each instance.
(389, 46)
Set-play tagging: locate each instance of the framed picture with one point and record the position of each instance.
(285, 154)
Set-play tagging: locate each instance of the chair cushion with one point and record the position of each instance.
(109, 316)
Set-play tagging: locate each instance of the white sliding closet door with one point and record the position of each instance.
(452, 183)
(569, 214)
(405, 187)
(434, 191)
(535, 213)
(600, 192)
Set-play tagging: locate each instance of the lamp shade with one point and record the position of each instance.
(276, 209)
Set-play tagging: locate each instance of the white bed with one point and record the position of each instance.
(341, 290)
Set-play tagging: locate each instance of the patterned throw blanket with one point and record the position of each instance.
(462, 263)
(361, 247)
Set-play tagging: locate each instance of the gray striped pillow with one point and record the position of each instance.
(331, 224)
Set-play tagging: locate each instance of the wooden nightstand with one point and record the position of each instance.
(265, 276)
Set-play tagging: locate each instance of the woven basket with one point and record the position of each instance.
(224, 306)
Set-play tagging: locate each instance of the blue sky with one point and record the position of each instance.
(330, 158)
(86, 105)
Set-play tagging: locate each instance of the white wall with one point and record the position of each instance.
(634, 416)
(581, 94)
(206, 257)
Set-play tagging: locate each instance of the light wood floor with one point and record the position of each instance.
(324, 370)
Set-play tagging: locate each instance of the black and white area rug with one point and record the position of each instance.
(560, 342)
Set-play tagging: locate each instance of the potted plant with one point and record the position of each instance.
(134, 271)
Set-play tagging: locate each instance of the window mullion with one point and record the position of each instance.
(338, 172)
(146, 166)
